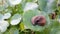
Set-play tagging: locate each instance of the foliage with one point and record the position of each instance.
(19, 13)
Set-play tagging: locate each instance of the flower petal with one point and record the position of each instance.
(3, 29)
(7, 15)
(30, 6)
(4, 23)
(15, 19)
(14, 2)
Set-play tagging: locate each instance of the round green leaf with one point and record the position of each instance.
(27, 16)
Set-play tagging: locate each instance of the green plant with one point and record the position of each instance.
(29, 16)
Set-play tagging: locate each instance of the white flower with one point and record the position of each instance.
(3, 29)
(6, 15)
(6, 24)
(14, 2)
(15, 19)
(30, 6)
(3, 25)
